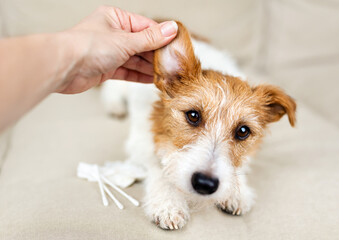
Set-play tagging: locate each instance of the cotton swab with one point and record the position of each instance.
(116, 201)
(131, 199)
(104, 189)
(92, 172)
(101, 186)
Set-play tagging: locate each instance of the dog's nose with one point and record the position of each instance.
(203, 184)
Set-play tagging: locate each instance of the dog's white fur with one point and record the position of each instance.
(169, 194)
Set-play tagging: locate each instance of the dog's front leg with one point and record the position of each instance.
(164, 204)
(240, 198)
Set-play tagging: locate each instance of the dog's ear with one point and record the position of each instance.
(176, 63)
(276, 103)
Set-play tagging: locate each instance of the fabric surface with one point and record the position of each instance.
(4, 145)
(316, 85)
(1, 22)
(300, 33)
(293, 44)
(231, 23)
(299, 49)
(295, 176)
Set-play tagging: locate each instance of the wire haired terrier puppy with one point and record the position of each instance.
(196, 132)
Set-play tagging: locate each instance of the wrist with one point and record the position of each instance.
(70, 54)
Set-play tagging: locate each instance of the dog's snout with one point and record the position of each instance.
(204, 184)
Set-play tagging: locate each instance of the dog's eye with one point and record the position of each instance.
(193, 117)
(242, 132)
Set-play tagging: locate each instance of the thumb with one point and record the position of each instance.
(153, 37)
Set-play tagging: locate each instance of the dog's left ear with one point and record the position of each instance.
(176, 63)
(276, 103)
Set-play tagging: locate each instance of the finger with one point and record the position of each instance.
(139, 23)
(148, 56)
(130, 75)
(130, 22)
(152, 38)
(140, 65)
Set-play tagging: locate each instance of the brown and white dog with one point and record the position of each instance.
(196, 132)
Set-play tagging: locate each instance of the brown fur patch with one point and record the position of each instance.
(224, 103)
(277, 103)
(168, 82)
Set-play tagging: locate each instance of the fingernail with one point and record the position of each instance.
(169, 28)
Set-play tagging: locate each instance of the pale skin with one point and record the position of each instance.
(109, 44)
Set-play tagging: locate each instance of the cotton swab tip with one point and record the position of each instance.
(105, 202)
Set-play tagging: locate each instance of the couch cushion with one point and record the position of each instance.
(1, 22)
(4, 145)
(299, 50)
(300, 33)
(295, 175)
(316, 85)
(1, 25)
(229, 24)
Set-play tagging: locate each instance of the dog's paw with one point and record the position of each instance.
(169, 213)
(116, 109)
(233, 207)
(238, 204)
(113, 98)
(170, 219)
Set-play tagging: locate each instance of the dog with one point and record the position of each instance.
(195, 129)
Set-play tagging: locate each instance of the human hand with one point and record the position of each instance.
(113, 44)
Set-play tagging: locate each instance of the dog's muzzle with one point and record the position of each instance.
(204, 184)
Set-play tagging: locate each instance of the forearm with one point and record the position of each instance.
(109, 44)
(31, 68)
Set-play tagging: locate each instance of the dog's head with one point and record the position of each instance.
(206, 124)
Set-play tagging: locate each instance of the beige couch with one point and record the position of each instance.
(294, 44)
